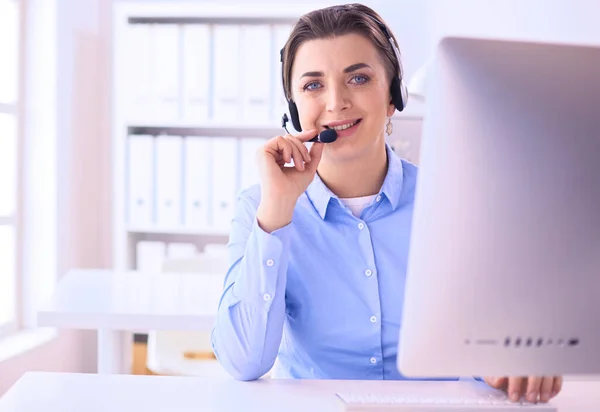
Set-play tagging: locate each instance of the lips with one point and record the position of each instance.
(343, 124)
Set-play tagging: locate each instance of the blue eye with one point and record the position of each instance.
(360, 79)
(310, 85)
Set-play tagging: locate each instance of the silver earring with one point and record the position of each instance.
(389, 128)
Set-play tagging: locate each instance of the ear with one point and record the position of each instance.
(391, 109)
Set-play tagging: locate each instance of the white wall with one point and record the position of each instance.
(570, 21)
(67, 125)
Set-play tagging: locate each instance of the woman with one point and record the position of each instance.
(319, 250)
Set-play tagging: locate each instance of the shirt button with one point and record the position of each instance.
(373, 360)
(378, 198)
(270, 262)
(368, 272)
(361, 225)
(373, 319)
(267, 297)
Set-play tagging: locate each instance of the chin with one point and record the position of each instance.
(351, 148)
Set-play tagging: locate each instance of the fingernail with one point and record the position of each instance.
(532, 397)
(514, 396)
(545, 397)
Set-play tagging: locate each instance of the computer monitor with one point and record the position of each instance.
(503, 276)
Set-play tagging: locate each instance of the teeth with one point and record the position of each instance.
(343, 127)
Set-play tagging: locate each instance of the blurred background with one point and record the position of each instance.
(128, 128)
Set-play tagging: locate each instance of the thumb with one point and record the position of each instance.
(316, 152)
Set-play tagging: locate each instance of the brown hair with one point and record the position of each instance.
(337, 21)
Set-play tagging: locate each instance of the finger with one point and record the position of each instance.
(515, 388)
(546, 388)
(497, 383)
(280, 149)
(316, 152)
(303, 149)
(557, 386)
(534, 384)
(306, 135)
(296, 154)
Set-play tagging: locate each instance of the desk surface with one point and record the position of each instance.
(54, 392)
(134, 301)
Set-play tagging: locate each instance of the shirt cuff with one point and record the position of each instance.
(264, 265)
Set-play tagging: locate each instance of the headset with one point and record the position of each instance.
(398, 89)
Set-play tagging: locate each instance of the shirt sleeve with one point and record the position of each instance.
(249, 323)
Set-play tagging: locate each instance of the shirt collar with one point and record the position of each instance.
(320, 195)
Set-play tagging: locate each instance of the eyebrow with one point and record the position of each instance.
(349, 69)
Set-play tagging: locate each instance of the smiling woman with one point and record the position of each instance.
(318, 250)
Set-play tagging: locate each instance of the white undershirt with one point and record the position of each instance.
(358, 204)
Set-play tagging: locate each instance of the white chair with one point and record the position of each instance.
(186, 353)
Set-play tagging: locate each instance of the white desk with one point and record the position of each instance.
(54, 392)
(117, 304)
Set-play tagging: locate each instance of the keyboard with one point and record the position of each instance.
(496, 402)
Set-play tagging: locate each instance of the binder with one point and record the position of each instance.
(138, 84)
(169, 181)
(224, 178)
(166, 52)
(140, 185)
(181, 250)
(256, 63)
(249, 172)
(226, 66)
(196, 72)
(150, 256)
(197, 181)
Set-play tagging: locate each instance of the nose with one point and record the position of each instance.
(338, 99)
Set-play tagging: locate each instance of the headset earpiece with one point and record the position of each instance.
(399, 93)
(294, 115)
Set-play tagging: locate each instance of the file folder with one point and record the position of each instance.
(140, 180)
(196, 73)
(249, 172)
(256, 64)
(197, 181)
(224, 178)
(166, 50)
(169, 181)
(138, 72)
(150, 256)
(226, 70)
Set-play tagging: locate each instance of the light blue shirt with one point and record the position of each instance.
(323, 294)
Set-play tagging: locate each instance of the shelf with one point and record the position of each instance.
(212, 130)
(208, 231)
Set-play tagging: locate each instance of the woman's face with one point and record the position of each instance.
(341, 83)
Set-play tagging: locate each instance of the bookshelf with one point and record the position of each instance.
(170, 92)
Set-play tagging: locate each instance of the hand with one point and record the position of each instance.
(288, 182)
(534, 388)
(282, 186)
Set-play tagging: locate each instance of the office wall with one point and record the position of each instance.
(570, 21)
(69, 48)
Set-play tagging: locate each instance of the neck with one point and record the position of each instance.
(360, 176)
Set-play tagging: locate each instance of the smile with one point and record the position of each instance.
(344, 126)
